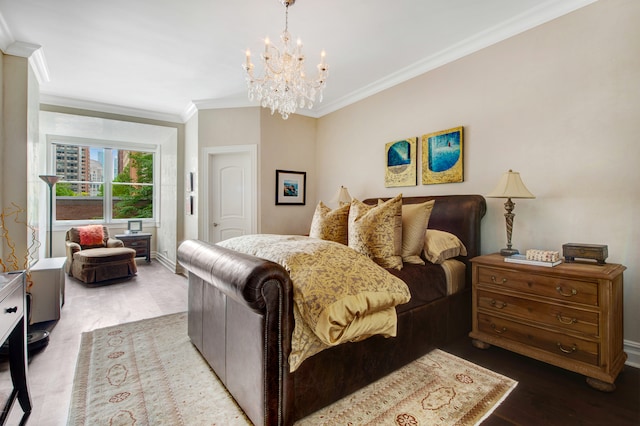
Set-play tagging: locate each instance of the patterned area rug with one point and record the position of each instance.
(148, 373)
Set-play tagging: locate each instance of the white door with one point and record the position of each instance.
(231, 194)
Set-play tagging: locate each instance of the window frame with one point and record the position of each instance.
(108, 177)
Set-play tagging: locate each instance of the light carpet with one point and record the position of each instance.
(148, 373)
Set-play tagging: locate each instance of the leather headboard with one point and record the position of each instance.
(457, 214)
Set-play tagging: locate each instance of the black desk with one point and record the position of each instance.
(14, 327)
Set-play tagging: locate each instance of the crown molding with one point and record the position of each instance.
(189, 112)
(50, 99)
(33, 52)
(35, 55)
(202, 104)
(544, 12)
(6, 38)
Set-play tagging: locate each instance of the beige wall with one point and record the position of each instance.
(20, 98)
(559, 103)
(220, 127)
(285, 145)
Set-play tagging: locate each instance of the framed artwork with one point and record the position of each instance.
(401, 167)
(134, 226)
(190, 204)
(291, 187)
(191, 182)
(442, 157)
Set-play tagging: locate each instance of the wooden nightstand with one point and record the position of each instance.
(140, 242)
(569, 315)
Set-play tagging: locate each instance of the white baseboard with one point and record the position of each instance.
(633, 353)
(165, 261)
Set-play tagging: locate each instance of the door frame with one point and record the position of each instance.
(207, 154)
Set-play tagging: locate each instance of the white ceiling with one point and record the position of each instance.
(165, 58)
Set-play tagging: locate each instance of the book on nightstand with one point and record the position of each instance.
(521, 258)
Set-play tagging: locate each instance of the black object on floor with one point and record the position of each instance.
(36, 341)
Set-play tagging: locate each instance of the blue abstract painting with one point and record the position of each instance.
(442, 157)
(402, 165)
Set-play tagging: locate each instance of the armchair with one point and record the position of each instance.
(93, 256)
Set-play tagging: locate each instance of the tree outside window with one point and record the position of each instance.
(94, 178)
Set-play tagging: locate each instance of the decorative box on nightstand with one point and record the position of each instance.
(139, 241)
(569, 315)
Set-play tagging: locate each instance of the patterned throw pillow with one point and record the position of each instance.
(330, 225)
(91, 236)
(440, 246)
(415, 218)
(376, 231)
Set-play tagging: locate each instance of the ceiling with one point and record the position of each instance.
(164, 59)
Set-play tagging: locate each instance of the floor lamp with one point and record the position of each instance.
(50, 180)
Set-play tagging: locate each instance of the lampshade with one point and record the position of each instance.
(342, 197)
(510, 186)
(50, 179)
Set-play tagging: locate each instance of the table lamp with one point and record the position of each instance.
(510, 186)
(342, 197)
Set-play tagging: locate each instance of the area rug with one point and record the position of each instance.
(148, 373)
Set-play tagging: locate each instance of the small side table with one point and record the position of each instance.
(48, 289)
(140, 242)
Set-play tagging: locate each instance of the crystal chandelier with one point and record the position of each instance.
(285, 86)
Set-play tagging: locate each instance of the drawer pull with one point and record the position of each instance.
(567, 351)
(494, 279)
(560, 290)
(566, 320)
(499, 331)
(497, 304)
(11, 310)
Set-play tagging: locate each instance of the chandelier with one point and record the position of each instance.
(285, 86)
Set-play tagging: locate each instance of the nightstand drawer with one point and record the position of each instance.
(557, 344)
(140, 242)
(564, 317)
(555, 287)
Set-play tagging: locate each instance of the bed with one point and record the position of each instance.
(241, 319)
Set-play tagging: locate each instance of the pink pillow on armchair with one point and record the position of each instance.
(91, 235)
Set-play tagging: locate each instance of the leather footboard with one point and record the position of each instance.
(336, 372)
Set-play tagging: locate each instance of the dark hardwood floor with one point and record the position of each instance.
(547, 395)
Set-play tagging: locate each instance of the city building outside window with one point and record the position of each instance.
(103, 184)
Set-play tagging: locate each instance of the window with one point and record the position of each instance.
(102, 183)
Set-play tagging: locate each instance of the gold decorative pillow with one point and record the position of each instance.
(415, 218)
(376, 231)
(330, 225)
(440, 246)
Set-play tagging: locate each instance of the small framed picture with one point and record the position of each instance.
(291, 187)
(191, 182)
(134, 226)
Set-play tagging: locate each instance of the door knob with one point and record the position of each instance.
(215, 224)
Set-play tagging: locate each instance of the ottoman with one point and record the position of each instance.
(101, 264)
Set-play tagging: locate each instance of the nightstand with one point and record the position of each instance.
(140, 242)
(569, 315)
